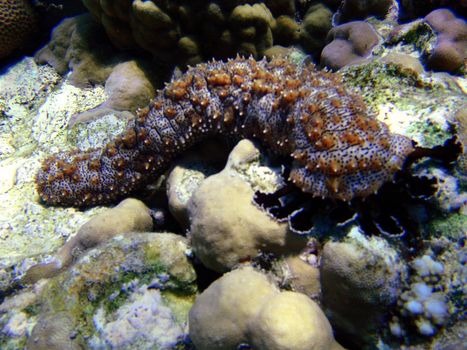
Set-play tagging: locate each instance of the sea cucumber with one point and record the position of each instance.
(339, 149)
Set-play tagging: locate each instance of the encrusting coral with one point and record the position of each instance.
(80, 45)
(340, 149)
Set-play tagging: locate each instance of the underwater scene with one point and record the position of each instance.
(227, 175)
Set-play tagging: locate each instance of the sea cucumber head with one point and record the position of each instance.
(352, 166)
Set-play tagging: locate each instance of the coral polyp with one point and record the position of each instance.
(339, 149)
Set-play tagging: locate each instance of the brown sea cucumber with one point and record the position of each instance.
(339, 149)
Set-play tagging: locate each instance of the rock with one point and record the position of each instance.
(420, 107)
(130, 215)
(144, 317)
(35, 103)
(428, 303)
(408, 62)
(226, 227)
(60, 329)
(360, 279)
(460, 119)
(244, 307)
(303, 276)
(413, 9)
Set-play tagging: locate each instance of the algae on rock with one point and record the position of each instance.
(133, 292)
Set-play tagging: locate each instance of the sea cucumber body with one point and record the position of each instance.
(340, 150)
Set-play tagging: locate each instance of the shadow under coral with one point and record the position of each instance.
(397, 211)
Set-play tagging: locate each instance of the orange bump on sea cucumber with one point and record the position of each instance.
(340, 148)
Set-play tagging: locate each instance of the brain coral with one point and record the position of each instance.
(450, 51)
(17, 23)
(348, 43)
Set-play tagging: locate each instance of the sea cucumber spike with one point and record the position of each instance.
(339, 149)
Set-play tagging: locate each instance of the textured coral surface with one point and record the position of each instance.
(17, 22)
(339, 148)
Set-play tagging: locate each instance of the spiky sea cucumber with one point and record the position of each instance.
(339, 149)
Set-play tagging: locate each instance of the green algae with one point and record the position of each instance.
(385, 82)
(180, 302)
(452, 226)
(104, 279)
(431, 134)
(415, 105)
(33, 309)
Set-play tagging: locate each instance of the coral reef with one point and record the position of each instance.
(340, 150)
(351, 10)
(130, 215)
(450, 52)
(226, 227)
(360, 280)
(188, 33)
(18, 23)
(439, 38)
(132, 292)
(348, 43)
(387, 269)
(244, 307)
(80, 45)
